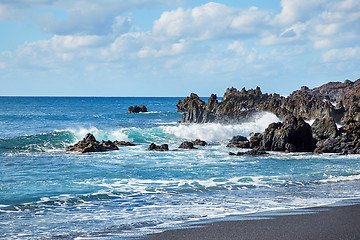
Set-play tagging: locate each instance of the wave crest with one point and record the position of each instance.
(216, 132)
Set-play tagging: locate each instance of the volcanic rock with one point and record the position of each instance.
(199, 142)
(292, 135)
(137, 109)
(255, 140)
(238, 142)
(324, 128)
(89, 144)
(333, 100)
(154, 147)
(253, 152)
(187, 145)
(123, 143)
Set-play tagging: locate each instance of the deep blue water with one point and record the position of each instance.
(46, 192)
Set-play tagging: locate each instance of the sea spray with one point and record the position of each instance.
(216, 132)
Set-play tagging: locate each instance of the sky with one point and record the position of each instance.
(173, 48)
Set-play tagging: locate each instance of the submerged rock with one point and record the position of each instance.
(123, 143)
(154, 147)
(253, 152)
(90, 144)
(137, 109)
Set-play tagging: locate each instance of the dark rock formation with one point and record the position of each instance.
(199, 142)
(335, 91)
(347, 140)
(324, 128)
(292, 135)
(238, 142)
(123, 143)
(255, 140)
(137, 109)
(336, 100)
(89, 144)
(154, 147)
(253, 152)
(187, 145)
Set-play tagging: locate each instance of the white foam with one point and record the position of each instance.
(333, 179)
(113, 135)
(216, 132)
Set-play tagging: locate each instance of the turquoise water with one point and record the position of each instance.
(46, 192)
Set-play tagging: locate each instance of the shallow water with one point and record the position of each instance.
(46, 192)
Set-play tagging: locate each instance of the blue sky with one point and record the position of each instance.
(173, 48)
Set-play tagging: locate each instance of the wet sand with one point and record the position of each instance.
(330, 223)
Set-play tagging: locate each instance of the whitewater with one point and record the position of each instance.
(46, 192)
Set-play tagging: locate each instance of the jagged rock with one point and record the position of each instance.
(199, 142)
(137, 109)
(123, 143)
(255, 140)
(194, 107)
(292, 135)
(238, 142)
(187, 145)
(89, 144)
(253, 152)
(154, 147)
(347, 140)
(329, 145)
(336, 100)
(324, 128)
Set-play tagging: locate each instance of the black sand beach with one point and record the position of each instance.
(330, 223)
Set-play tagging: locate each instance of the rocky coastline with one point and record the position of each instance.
(336, 100)
(330, 104)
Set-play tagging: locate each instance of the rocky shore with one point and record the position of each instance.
(336, 100)
(330, 104)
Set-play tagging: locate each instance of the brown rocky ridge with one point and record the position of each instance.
(336, 100)
(330, 104)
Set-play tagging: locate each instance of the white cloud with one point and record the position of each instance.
(206, 41)
(294, 11)
(211, 21)
(339, 55)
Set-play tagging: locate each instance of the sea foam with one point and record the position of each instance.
(216, 132)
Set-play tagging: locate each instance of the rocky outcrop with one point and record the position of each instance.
(292, 135)
(199, 142)
(324, 128)
(187, 145)
(123, 143)
(154, 147)
(238, 142)
(346, 141)
(90, 144)
(137, 109)
(335, 91)
(253, 152)
(295, 135)
(339, 101)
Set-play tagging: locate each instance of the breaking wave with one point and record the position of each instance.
(216, 132)
(58, 140)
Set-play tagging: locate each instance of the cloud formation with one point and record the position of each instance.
(208, 41)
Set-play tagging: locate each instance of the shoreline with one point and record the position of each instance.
(340, 220)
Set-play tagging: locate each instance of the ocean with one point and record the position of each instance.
(48, 193)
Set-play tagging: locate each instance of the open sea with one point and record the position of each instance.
(48, 193)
